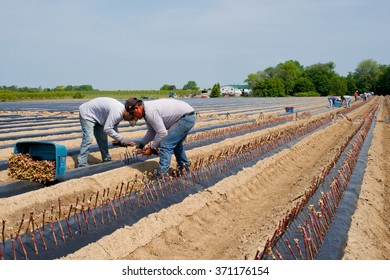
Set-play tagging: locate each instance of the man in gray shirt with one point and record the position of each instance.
(347, 100)
(100, 117)
(168, 122)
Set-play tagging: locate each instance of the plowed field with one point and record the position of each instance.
(234, 217)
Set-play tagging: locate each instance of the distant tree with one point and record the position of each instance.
(269, 72)
(59, 88)
(383, 85)
(289, 71)
(351, 83)
(85, 88)
(260, 89)
(338, 86)
(168, 87)
(272, 87)
(303, 84)
(367, 74)
(216, 91)
(252, 79)
(191, 85)
(321, 74)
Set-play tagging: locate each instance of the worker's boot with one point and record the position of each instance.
(184, 168)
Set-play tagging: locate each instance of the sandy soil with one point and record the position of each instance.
(233, 218)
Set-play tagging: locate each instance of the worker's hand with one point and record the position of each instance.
(149, 152)
(122, 143)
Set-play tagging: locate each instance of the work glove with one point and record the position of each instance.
(122, 143)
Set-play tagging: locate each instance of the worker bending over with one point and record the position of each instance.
(100, 117)
(168, 122)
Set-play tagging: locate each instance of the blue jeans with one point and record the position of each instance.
(173, 144)
(90, 129)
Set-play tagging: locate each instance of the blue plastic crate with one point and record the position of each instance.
(44, 150)
(338, 103)
(289, 109)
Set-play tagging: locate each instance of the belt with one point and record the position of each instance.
(188, 114)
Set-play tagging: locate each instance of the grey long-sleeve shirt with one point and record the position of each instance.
(347, 97)
(160, 115)
(105, 111)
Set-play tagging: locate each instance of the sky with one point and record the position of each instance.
(144, 44)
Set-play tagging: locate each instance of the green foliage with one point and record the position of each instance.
(383, 85)
(367, 75)
(74, 88)
(191, 85)
(78, 95)
(216, 91)
(20, 89)
(119, 94)
(303, 84)
(272, 87)
(338, 86)
(294, 79)
(6, 96)
(306, 94)
(321, 74)
(351, 83)
(168, 87)
(289, 71)
(17, 96)
(59, 88)
(252, 79)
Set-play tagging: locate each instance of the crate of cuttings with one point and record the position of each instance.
(40, 161)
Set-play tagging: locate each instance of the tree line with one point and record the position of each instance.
(290, 78)
(293, 79)
(190, 85)
(40, 89)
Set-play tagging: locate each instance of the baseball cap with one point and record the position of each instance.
(130, 103)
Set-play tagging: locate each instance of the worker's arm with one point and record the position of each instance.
(156, 129)
(111, 126)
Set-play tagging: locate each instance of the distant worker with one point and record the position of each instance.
(356, 94)
(168, 122)
(100, 117)
(347, 99)
(332, 100)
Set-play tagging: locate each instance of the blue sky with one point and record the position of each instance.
(143, 44)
